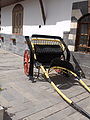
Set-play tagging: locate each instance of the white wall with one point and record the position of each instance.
(58, 17)
(6, 19)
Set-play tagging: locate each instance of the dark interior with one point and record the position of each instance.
(45, 53)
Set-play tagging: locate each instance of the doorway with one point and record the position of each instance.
(83, 34)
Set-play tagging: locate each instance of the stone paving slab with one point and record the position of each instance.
(25, 100)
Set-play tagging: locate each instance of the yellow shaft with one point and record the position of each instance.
(80, 81)
(44, 71)
(61, 94)
(55, 87)
(84, 85)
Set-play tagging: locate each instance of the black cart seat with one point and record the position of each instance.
(45, 53)
(47, 48)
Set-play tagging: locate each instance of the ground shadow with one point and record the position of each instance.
(6, 116)
(62, 81)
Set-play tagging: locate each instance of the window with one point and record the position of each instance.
(17, 19)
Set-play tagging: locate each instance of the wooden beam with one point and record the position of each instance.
(4, 3)
(43, 11)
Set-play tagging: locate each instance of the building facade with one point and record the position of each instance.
(69, 19)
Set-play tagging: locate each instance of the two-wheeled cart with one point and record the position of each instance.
(51, 55)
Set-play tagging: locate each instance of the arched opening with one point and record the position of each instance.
(17, 19)
(83, 34)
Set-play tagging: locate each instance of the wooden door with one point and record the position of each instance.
(17, 19)
(89, 35)
(83, 34)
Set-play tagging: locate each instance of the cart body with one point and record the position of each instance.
(44, 49)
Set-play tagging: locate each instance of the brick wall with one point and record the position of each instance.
(14, 43)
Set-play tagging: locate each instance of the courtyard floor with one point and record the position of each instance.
(24, 100)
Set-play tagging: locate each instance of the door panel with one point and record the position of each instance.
(83, 35)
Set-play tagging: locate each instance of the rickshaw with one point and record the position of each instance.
(51, 55)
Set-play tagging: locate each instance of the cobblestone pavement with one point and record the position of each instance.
(25, 100)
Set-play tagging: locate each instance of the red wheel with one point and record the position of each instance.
(26, 62)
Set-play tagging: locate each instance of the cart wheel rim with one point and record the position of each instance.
(26, 62)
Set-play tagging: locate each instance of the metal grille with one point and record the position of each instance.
(52, 49)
